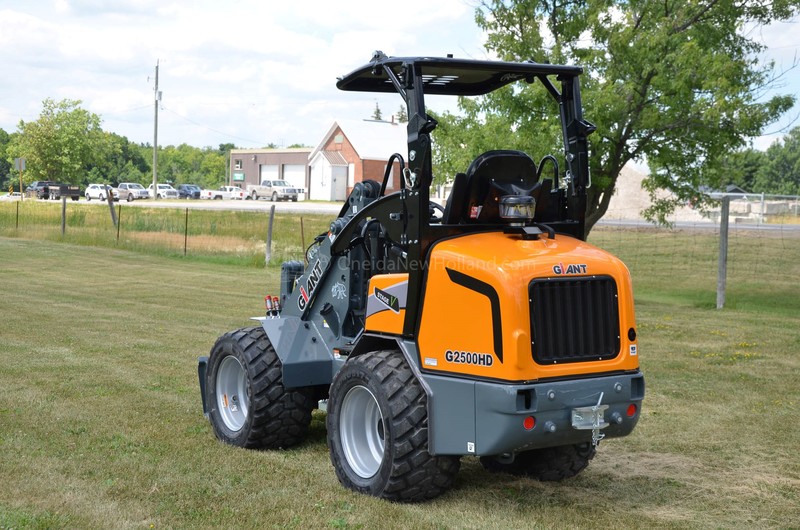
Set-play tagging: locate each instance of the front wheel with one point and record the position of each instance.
(547, 464)
(130, 197)
(248, 404)
(378, 431)
(274, 196)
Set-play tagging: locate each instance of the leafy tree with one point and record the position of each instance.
(780, 174)
(742, 167)
(674, 83)
(5, 162)
(212, 169)
(225, 149)
(63, 144)
(402, 114)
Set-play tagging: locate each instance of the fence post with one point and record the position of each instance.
(185, 230)
(119, 220)
(303, 240)
(17, 227)
(63, 214)
(268, 254)
(722, 272)
(110, 200)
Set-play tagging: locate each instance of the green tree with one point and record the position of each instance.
(742, 167)
(402, 114)
(63, 144)
(5, 162)
(212, 169)
(673, 83)
(780, 174)
(225, 149)
(377, 114)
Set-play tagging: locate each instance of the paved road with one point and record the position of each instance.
(300, 207)
(333, 208)
(704, 226)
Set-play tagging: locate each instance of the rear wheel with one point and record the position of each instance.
(547, 464)
(378, 431)
(248, 405)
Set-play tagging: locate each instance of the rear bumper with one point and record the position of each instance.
(485, 418)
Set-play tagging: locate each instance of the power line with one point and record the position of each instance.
(257, 142)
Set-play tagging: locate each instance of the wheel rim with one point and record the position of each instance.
(361, 426)
(232, 400)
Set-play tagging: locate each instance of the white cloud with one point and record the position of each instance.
(245, 71)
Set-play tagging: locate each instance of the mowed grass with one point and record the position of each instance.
(101, 423)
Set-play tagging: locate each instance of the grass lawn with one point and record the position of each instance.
(101, 423)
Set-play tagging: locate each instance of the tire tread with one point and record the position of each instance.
(279, 417)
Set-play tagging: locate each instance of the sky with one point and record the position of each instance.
(246, 72)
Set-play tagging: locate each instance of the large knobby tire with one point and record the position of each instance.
(248, 405)
(378, 431)
(548, 464)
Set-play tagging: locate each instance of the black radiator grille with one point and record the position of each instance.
(574, 319)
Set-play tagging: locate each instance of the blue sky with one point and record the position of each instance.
(247, 72)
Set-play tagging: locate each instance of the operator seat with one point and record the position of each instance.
(476, 194)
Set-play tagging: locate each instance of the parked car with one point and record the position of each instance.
(130, 191)
(13, 196)
(224, 192)
(188, 191)
(165, 191)
(100, 191)
(274, 190)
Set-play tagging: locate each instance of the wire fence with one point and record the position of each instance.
(681, 261)
(234, 236)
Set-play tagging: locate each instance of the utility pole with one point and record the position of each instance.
(155, 138)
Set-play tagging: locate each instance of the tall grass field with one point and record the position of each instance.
(101, 424)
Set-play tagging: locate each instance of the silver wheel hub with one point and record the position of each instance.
(362, 431)
(232, 400)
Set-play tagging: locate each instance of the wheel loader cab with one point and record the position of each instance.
(475, 196)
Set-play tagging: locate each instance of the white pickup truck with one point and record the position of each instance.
(224, 192)
(274, 190)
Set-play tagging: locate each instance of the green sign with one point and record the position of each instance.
(238, 176)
